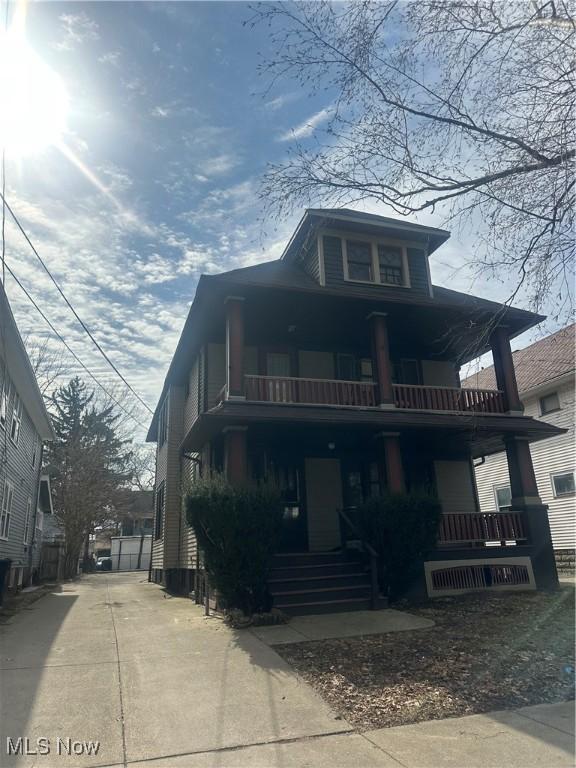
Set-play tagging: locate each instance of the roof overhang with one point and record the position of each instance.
(483, 432)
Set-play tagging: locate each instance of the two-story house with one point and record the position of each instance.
(24, 427)
(545, 373)
(334, 371)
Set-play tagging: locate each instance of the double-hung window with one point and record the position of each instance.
(6, 509)
(27, 521)
(375, 261)
(159, 511)
(4, 395)
(16, 419)
(503, 496)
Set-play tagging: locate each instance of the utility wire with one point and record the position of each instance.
(76, 315)
(69, 348)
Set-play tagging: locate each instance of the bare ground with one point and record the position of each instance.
(486, 652)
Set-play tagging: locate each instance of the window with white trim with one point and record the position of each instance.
(34, 457)
(16, 419)
(6, 513)
(503, 496)
(4, 395)
(563, 484)
(368, 260)
(27, 520)
(549, 403)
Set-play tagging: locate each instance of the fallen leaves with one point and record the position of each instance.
(487, 652)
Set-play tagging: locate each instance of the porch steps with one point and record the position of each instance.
(319, 582)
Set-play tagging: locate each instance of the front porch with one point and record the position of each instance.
(325, 471)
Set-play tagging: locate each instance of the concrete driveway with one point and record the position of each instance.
(112, 659)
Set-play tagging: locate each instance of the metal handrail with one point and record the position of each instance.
(370, 551)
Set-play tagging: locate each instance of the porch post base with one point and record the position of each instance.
(542, 556)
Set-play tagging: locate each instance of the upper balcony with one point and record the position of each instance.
(364, 394)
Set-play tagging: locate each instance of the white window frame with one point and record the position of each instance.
(499, 487)
(16, 418)
(552, 410)
(26, 539)
(35, 443)
(374, 243)
(6, 510)
(4, 397)
(558, 474)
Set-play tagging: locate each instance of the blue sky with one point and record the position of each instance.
(170, 119)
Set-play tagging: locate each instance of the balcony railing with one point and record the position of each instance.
(481, 528)
(448, 399)
(362, 394)
(284, 389)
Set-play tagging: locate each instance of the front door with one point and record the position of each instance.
(323, 499)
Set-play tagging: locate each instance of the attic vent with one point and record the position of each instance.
(480, 577)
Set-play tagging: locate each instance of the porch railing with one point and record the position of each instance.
(346, 522)
(448, 399)
(285, 389)
(481, 528)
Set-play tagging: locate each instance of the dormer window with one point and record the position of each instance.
(368, 260)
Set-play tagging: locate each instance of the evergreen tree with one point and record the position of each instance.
(88, 464)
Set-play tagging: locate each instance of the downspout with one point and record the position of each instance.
(33, 543)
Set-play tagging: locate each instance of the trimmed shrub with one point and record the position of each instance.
(403, 529)
(238, 530)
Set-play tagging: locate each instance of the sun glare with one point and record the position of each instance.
(33, 99)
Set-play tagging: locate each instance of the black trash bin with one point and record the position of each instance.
(4, 571)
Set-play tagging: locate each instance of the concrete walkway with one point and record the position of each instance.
(113, 659)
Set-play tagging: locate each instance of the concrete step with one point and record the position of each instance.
(291, 583)
(301, 596)
(334, 568)
(326, 606)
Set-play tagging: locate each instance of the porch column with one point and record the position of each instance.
(382, 359)
(521, 470)
(526, 499)
(235, 455)
(235, 347)
(390, 462)
(504, 369)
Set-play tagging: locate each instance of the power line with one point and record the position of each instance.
(69, 348)
(76, 315)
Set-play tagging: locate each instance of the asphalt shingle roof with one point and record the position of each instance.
(542, 361)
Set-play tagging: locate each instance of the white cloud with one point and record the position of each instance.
(309, 125)
(218, 165)
(160, 112)
(78, 28)
(281, 101)
(111, 57)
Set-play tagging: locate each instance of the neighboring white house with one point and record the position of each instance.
(545, 375)
(24, 428)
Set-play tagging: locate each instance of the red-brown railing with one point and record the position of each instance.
(284, 389)
(448, 399)
(478, 528)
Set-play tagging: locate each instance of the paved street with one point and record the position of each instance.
(113, 659)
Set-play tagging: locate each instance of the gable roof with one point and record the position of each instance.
(16, 360)
(537, 364)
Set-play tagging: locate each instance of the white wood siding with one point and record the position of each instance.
(455, 486)
(557, 454)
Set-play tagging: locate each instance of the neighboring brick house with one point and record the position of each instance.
(545, 372)
(24, 427)
(333, 372)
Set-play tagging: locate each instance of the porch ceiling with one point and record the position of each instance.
(483, 434)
